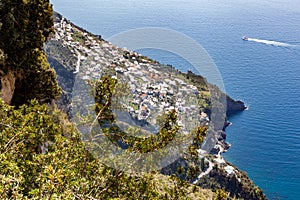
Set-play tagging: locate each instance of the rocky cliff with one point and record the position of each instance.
(74, 52)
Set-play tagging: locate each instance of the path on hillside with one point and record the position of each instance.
(206, 172)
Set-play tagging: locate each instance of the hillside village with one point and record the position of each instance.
(147, 90)
(77, 98)
(152, 92)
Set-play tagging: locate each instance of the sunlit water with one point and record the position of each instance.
(263, 71)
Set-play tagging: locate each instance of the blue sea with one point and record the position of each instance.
(264, 72)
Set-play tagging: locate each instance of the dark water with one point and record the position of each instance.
(264, 72)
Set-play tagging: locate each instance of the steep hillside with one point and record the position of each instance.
(108, 92)
(79, 57)
(42, 157)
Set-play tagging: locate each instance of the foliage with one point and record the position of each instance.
(41, 156)
(39, 81)
(133, 139)
(221, 195)
(195, 164)
(236, 185)
(26, 25)
(104, 91)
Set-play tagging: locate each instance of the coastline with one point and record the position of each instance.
(66, 67)
(232, 106)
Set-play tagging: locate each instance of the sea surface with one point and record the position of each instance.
(264, 72)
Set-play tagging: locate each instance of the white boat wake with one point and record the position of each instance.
(270, 42)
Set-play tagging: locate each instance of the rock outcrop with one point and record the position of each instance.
(226, 176)
(234, 106)
(76, 52)
(8, 86)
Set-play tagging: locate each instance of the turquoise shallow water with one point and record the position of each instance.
(265, 74)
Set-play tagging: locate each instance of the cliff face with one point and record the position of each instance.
(8, 87)
(216, 174)
(226, 176)
(234, 106)
(75, 52)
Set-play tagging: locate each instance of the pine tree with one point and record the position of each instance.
(25, 26)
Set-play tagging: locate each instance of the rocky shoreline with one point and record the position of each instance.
(73, 48)
(152, 88)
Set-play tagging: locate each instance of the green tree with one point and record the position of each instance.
(221, 195)
(104, 92)
(25, 26)
(42, 157)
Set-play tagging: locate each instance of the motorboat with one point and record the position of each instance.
(245, 38)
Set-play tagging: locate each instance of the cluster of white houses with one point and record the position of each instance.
(152, 90)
